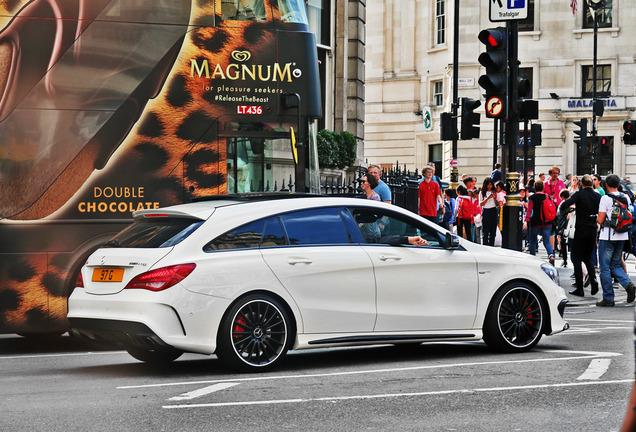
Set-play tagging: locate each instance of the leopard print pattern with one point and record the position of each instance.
(168, 142)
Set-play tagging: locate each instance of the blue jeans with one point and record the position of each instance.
(544, 232)
(609, 256)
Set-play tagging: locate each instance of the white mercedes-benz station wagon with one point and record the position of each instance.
(250, 279)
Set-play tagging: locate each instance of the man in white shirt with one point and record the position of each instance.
(610, 247)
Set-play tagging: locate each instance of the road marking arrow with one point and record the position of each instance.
(202, 392)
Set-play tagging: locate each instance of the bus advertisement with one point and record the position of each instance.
(111, 106)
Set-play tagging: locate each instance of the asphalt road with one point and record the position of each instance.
(578, 380)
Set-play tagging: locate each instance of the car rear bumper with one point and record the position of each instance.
(148, 319)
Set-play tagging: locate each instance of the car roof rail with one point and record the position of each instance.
(261, 196)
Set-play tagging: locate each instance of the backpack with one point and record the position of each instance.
(548, 210)
(465, 209)
(620, 218)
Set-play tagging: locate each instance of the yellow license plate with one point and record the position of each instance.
(108, 275)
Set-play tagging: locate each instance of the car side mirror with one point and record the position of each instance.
(452, 241)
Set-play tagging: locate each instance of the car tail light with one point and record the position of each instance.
(161, 278)
(79, 283)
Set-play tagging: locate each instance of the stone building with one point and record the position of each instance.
(339, 26)
(409, 72)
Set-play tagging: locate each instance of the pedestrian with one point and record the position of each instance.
(552, 189)
(448, 220)
(477, 220)
(536, 224)
(464, 211)
(586, 203)
(562, 223)
(382, 189)
(430, 196)
(500, 188)
(610, 246)
(542, 177)
(368, 183)
(598, 185)
(469, 183)
(490, 206)
(574, 185)
(496, 175)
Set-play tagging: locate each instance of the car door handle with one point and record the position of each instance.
(294, 261)
(389, 258)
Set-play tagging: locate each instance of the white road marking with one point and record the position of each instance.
(596, 369)
(577, 355)
(396, 395)
(204, 391)
(598, 320)
(19, 357)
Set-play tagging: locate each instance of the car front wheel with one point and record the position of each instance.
(515, 319)
(254, 335)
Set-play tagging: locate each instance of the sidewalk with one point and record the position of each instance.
(620, 295)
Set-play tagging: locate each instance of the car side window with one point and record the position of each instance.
(273, 235)
(319, 226)
(376, 224)
(246, 236)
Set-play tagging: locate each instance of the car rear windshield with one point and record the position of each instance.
(155, 233)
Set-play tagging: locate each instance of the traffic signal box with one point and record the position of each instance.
(581, 133)
(495, 60)
(470, 119)
(630, 132)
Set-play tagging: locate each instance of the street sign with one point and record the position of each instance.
(494, 107)
(453, 163)
(508, 10)
(427, 118)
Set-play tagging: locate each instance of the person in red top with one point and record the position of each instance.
(552, 188)
(554, 185)
(430, 196)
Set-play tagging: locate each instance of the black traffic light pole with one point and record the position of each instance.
(512, 217)
(454, 172)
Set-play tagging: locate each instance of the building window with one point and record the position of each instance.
(438, 93)
(319, 21)
(604, 15)
(603, 81)
(435, 156)
(440, 22)
(526, 72)
(528, 23)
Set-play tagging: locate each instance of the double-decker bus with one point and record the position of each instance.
(111, 106)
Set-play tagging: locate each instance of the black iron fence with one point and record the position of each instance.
(402, 182)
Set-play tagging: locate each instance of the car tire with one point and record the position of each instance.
(515, 319)
(255, 334)
(156, 356)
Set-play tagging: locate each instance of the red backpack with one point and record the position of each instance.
(548, 210)
(465, 209)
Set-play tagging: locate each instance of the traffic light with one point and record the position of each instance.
(495, 60)
(470, 119)
(448, 126)
(581, 132)
(630, 132)
(535, 134)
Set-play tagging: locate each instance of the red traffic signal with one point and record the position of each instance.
(494, 38)
(495, 60)
(630, 132)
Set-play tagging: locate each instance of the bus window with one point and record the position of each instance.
(293, 11)
(243, 10)
(258, 158)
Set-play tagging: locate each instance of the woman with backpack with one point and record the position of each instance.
(586, 210)
(464, 209)
(538, 222)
